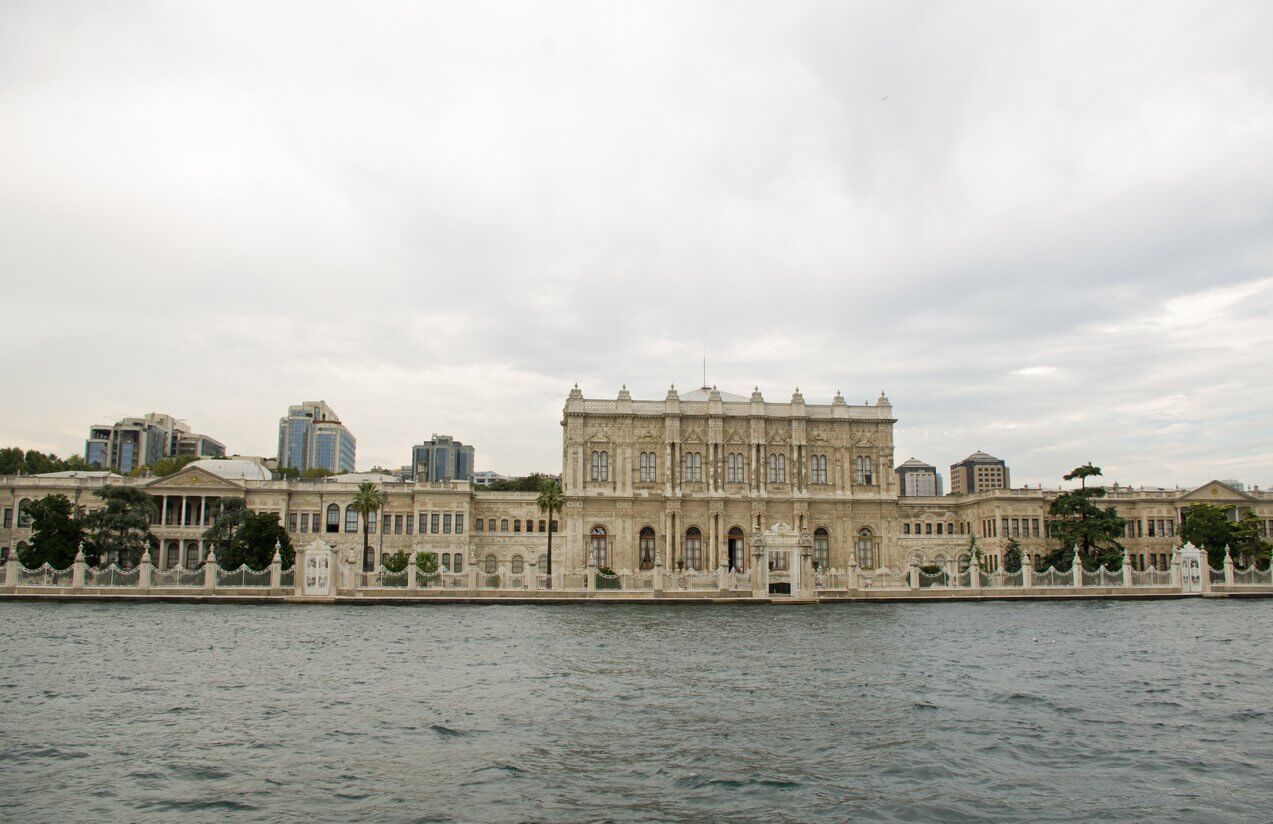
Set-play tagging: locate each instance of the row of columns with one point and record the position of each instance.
(188, 502)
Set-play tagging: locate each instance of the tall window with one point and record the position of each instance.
(777, 468)
(600, 466)
(371, 522)
(459, 523)
(518, 565)
(446, 561)
(866, 548)
(304, 522)
(729, 468)
(457, 561)
(503, 525)
(489, 565)
(648, 474)
(647, 548)
(693, 466)
(517, 525)
(818, 469)
(821, 549)
(862, 470)
(333, 518)
(490, 525)
(24, 513)
(597, 547)
(693, 548)
(351, 519)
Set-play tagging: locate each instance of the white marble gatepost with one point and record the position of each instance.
(759, 566)
(315, 567)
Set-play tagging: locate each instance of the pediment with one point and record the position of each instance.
(735, 437)
(192, 477)
(1216, 491)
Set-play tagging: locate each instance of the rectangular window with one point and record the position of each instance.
(8, 517)
(939, 526)
(906, 528)
(459, 524)
(434, 520)
(446, 524)
(291, 522)
(928, 529)
(371, 523)
(304, 522)
(1006, 533)
(397, 524)
(1152, 533)
(517, 525)
(351, 519)
(541, 525)
(479, 525)
(424, 522)
(1034, 528)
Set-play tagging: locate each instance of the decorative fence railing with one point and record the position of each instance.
(348, 579)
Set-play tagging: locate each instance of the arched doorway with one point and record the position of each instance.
(172, 556)
(646, 549)
(193, 559)
(737, 549)
(597, 547)
(821, 549)
(693, 548)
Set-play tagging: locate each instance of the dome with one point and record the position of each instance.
(234, 469)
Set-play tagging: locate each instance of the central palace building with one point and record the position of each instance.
(680, 482)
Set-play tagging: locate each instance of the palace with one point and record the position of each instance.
(679, 483)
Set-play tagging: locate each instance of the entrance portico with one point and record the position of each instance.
(782, 562)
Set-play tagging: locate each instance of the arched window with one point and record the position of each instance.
(192, 555)
(351, 519)
(24, 513)
(489, 565)
(647, 548)
(518, 565)
(369, 559)
(818, 469)
(446, 561)
(693, 548)
(866, 548)
(490, 525)
(645, 466)
(693, 466)
(173, 556)
(333, 518)
(503, 525)
(782, 469)
(821, 549)
(597, 547)
(862, 470)
(773, 468)
(457, 562)
(605, 466)
(729, 468)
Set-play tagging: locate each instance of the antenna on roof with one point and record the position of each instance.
(704, 367)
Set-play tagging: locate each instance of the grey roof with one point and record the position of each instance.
(981, 457)
(702, 393)
(234, 469)
(917, 464)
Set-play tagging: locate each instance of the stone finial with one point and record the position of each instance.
(713, 394)
(212, 555)
(671, 393)
(145, 555)
(624, 395)
(1228, 553)
(278, 551)
(79, 553)
(756, 397)
(883, 401)
(575, 393)
(796, 397)
(838, 400)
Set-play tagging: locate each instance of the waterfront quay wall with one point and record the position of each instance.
(321, 575)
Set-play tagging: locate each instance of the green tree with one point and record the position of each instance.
(1213, 528)
(1012, 556)
(255, 541)
(366, 501)
(11, 461)
(1248, 542)
(551, 500)
(168, 466)
(975, 555)
(222, 531)
(57, 533)
(398, 561)
(120, 530)
(289, 473)
(427, 562)
(316, 472)
(1077, 521)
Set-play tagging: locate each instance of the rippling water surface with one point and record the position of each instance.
(1112, 711)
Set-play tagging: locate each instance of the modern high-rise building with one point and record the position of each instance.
(311, 436)
(442, 459)
(133, 442)
(918, 479)
(978, 472)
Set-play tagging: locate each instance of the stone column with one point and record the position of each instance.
(722, 577)
(532, 583)
(759, 570)
(1127, 570)
(590, 574)
(1076, 569)
(658, 575)
(913, 573)
(181, 516)
(144, 569)
(473, 579)
(413, 581)
(1228, 566)
(163, 510)
(851, 582)
(210, 572)
(1027, 570)
(77, 568)
(1174, 564)
(276, 569)
(808, 586)
(11, 570)
(952, 572)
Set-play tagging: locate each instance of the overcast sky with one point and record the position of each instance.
(1046, 230)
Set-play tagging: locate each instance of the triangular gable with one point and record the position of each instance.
(193, 476)
(1216, 491)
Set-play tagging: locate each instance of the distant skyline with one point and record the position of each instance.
(1045, 230)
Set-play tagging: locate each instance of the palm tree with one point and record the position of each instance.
(550, 500)
(366, 501)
